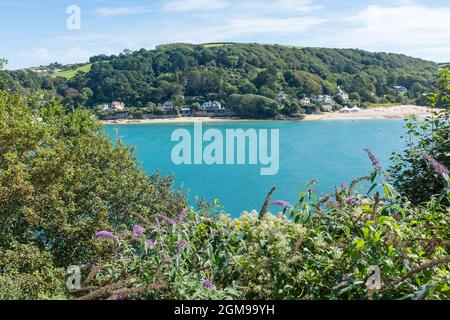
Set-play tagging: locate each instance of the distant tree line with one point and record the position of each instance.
(182, 71)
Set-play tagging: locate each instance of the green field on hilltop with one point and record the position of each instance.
(69, 74)
(218, 44)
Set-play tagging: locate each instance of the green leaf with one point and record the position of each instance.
(360, 244)
(376, 236)
(366, 233)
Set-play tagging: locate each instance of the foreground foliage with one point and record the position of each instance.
(324, 251)
(61, 179)
(411, 174)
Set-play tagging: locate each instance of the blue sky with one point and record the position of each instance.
(34, 32)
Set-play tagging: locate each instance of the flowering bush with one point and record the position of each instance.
(327, 251)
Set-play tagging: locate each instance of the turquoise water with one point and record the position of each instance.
(329, 151)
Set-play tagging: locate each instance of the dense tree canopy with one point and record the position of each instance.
(216, 72)
(253, 105)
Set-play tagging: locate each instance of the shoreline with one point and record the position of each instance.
(178, 120)
(394, 112)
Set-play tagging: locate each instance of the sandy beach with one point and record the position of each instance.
(394, 112)
(174, 120)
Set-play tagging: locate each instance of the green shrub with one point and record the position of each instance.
(27, 273)
(61, 179)
(410, 173)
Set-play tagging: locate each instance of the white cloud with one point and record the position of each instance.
(235, 29)
(45, 55)
(242, 19)
(122, 11)
(298, 5)
(286, 6)
(397, 29)
(404, 18)
(257, 25)
(194, 5)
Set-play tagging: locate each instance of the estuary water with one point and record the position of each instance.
(328, 151)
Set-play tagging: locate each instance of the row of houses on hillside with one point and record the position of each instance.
(168, 106)
(115, 106)
(325, 101)
(210, 106)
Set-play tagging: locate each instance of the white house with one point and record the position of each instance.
(113, 107)
(212, 106)
(305, 102)
(341, 93)
(325, 101)
(118, 106)
(167, 106)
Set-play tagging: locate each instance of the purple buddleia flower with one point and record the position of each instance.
(150, 243)
(375, 162)
(207, 284)
(138, 230)
(437, 166)
(105, 234)
(282, 204)
(332, 204)
(343, 186)
(182, 216)
(352, 200)
(181, 245)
